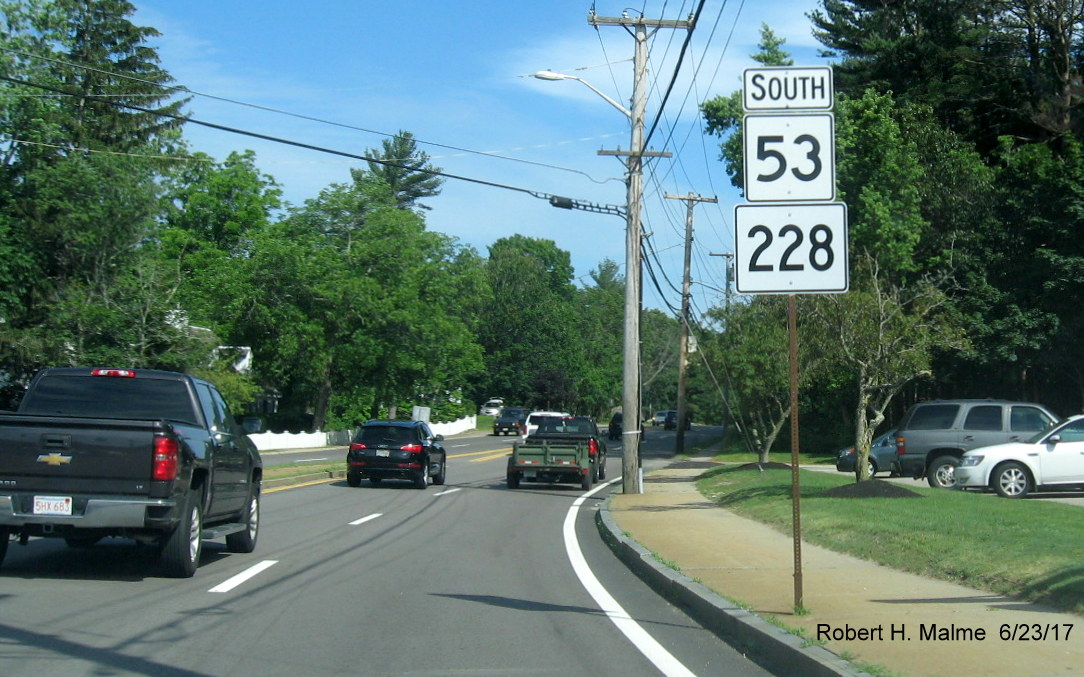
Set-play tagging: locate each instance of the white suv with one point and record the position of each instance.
(532, 420)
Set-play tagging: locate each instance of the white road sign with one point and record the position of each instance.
(791, 248)
(790, 158)
(787, 88)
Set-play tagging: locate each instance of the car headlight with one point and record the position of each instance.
(971, 461)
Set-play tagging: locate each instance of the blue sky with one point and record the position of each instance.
(451, 73)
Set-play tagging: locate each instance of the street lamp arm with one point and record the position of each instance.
(551, 75)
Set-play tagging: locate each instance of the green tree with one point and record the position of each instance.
(75, 210)
(751, 357)
(405, 169)
(602, 331)
(884, 334)
(531, 337)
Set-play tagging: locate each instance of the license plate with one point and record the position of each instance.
(383, 453)
(52, 505)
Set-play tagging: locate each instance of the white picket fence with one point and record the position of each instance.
(341, 438)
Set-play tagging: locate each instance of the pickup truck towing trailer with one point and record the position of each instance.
(143, 454)
(563, 449)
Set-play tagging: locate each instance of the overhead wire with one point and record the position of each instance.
(300, 116)
(297, 144)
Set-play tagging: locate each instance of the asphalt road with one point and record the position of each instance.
(466, 579)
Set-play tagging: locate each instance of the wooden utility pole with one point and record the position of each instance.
(683, 348)
(632, 481)
(631, 472)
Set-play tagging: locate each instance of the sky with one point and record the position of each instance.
(347, 74)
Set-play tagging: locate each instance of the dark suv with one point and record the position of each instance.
(401, 450)
(933, 436)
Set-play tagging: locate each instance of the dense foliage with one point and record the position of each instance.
(959, 145)
(119, 246)
(959, 155)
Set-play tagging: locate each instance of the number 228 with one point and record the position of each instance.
(821, 256)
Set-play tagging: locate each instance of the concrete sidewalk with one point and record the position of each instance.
(875, 616)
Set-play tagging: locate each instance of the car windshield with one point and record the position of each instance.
(512, 413)
(1070, 431)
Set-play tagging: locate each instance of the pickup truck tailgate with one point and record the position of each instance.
(45, 453)
(548, 455)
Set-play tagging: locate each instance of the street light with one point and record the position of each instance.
(551, 75)
(632, 481)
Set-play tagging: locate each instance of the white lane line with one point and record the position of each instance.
(648, 646)
(244, 576)
(367, 518)
(310, 460)
(448, 491)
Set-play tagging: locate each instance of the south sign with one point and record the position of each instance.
(791, 89)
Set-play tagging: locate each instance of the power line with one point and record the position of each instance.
(555, 200)
(279, 111)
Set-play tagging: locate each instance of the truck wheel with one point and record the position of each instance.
(942, 472)
(181, 551)
(585, 483)
(438, 480)
(513, 480)
(1011, 480)
(602, 470)
(245, 541)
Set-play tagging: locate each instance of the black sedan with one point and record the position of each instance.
(402, 450)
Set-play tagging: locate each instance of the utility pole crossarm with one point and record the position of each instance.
(634, 21)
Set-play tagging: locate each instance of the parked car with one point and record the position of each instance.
(402, 450)
(492, 407)
(933, 436)
(1052, 458)
(615, 426)
(510, 421)
(659, 418)
(882, 456)
(671, 420)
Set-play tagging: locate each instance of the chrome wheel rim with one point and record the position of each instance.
(946, 476)
(1013, 482)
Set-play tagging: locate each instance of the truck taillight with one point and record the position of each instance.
(412, 448)
(901, 446)
(127, 373)
(166, 455)
(592, 448)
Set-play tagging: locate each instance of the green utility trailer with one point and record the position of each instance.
(552, 461)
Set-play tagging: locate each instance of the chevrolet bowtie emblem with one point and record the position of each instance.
(54, 459)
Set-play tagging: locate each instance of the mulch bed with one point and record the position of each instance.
(871, 489)
(770, 465)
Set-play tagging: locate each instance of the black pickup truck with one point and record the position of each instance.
(135, 453)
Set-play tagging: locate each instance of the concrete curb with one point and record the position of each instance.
(770, 646)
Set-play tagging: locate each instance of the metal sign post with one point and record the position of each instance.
(794, 239)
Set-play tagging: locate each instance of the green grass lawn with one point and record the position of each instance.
(1024, 548)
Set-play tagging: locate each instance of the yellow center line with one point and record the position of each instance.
(502, 454)
(491, 452)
